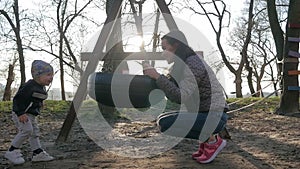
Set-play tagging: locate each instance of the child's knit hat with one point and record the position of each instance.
(39, 67)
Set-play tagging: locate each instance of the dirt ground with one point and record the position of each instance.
(260, 140)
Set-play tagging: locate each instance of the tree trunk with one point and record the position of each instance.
(274, 82)
(62, 82)
(250, 81)
(61, 66)
(289, 102)
(21, 57)
(17, 30)
(10, 79)
(275, 28)
(238, 85)
(61, 13)
(258, 88)
(278, 35)
(245, 47)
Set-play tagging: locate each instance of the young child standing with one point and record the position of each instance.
(26, 107)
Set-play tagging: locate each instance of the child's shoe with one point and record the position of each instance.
(212, 150)
(15, 156)
(43, 156)
(198, 153)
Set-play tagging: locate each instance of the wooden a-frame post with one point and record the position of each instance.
(93, 61)
(90, 68)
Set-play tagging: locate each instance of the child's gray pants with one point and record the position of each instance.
(28, 130)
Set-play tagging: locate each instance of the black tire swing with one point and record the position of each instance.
(110, 89)
(124, 90)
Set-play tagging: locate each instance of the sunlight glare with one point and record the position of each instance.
(134, 43)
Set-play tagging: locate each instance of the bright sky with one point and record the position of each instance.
(199, 23)
(205, 36)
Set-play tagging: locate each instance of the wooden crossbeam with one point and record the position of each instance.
(294, 25)
(293, 88)
(293, 72)
(293, 39)
(294, 54)
(86, 56)
(125, 56)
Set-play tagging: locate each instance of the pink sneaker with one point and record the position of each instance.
(198, 153)
(211, 150)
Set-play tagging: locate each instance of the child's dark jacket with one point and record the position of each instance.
(29, 97)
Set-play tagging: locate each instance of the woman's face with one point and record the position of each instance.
(168, 51)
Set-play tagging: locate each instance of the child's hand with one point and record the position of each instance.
(23, 118)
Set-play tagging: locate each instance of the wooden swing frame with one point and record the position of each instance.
(94, 57)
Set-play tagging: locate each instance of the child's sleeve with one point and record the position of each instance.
(22, 100)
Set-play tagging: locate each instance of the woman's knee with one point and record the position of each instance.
(166, 122)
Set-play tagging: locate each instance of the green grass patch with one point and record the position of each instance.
(56, 106)
(261, 104)
(5, 106)
(90, 110)
(90, 107)
(49, 106)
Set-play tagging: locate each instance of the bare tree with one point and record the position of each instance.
(255, 45)
(265, 44)
(216, 18)
(54, 24)
(15, 24)
(247, 40)
(10, 78)
(263, 58)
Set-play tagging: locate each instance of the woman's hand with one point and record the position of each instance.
(150, 71)
(23, 118)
